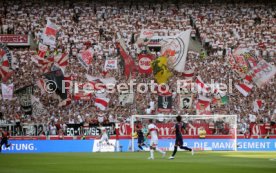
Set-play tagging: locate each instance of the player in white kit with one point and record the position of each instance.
(104, 137)
(153, 132)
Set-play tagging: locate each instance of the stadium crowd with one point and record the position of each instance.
(220, 28)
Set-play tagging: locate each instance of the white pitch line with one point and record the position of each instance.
(273, 159)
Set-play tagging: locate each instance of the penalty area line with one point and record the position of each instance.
(273, 159)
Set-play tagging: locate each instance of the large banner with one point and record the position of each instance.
(145, 63)
(54, 146)
(164, 102)
(262, 73)
(220, 144)
(15, 40)
(176, 49)
(25, 98)
(85, 58)
(7, 91)
(92, 130)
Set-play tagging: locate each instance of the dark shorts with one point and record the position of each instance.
(141, 140)
(178, 141)
(4, 141)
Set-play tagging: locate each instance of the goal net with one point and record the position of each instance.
(201, 132)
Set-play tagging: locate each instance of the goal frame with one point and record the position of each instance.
(133, 117)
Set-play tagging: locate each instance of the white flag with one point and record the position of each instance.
(7, 91)
(176, 49)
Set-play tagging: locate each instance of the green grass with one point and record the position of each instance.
(201, 162)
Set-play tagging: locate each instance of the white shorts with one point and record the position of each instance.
(153, 142)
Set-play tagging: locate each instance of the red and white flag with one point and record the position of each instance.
(188, 74)
(45, 64)
(86, 58)
(203, 105)
(41, 84)
(61, 60)
(5, 63)
(101, 103)
(42, 49)
(244, 88)
(258, 104)
(145, 63)
(50, 32)
(247, 79)
(201, 86)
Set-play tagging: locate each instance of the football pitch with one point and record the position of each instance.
(201, 162)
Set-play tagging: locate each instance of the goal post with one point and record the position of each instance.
(222, 125)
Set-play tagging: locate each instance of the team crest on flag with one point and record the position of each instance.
(176, 50)
(145, 63)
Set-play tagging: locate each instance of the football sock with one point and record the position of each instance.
(174, 151)
(185, 148)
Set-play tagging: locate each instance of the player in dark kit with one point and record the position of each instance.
(4, 139)
(178, 137)
(141, 138)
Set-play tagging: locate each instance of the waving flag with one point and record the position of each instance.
(85, 58)
(176, 50)
(201, 86)
(258, 104)
(262, 73)
(5, 63)
(160, 70)
(188, 74)
(61, 60)
(203, 105)
(42, 50)
(101, 103)
(244, 88)
(128, 61)
(49, 35)
(7, 91)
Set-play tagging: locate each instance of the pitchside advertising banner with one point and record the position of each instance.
(40, 146)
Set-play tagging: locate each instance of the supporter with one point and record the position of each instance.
(221, 28)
